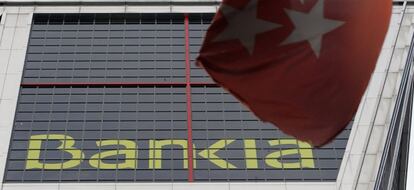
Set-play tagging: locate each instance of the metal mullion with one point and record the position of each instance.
(136, 133)
(205, 94)
(172, 128)
(225, 130)
(31, 129)
(118, 135)
(48, 133)
(120, 107)
(101, 132)
(87, 94)
(50, 112)
(154, 131)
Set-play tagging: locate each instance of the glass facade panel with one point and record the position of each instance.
(198, 26)
(105, 98)
(244, 148)
(106, 48)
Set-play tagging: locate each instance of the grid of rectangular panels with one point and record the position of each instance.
(106, 48)
(199, 24)
(89, 116)
(77, 120)
(219, 119)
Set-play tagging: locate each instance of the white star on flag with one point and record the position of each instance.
(311, 27)
(244, 25)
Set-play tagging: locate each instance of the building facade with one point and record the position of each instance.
(105, 95)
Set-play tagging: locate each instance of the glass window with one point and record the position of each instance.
(104, 98)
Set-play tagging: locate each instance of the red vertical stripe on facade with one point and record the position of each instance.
(187, 84)
(188, 94)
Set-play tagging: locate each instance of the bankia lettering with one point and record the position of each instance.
(126, 154)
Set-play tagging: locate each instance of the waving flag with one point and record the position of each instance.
(302, 65)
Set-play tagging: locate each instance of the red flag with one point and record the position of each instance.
(302, 65)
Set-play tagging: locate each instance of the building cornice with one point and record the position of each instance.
(109, 2)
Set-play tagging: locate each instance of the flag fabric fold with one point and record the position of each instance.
(302, 65)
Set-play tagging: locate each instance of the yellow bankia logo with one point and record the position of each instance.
(130, 152)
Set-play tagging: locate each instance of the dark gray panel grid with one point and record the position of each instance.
(139, 48)
(106, 48)
(217, 116)
(199, 24)
(93, 114)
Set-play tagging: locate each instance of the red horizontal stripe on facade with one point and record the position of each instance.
(176, 84)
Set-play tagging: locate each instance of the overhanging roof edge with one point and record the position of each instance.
(110, 2)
